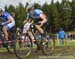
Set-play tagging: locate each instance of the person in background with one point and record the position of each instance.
(61, 35)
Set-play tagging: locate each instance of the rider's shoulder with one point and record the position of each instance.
(6, 13)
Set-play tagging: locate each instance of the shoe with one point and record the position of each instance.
(5, 43)
(45, 41)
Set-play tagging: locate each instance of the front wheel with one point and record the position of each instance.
(48, 47)
(23, 46)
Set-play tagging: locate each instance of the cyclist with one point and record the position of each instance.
(38, 15)
(8, 24)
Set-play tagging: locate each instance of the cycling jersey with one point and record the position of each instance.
(5, 17)
(26, 27)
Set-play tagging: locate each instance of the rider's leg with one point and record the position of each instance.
(40, 29)
(31, 36)
(5, 30)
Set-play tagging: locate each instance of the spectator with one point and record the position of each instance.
(61, 36)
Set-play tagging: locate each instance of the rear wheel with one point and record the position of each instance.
(23, 46)
(10, 47)
(11, 42)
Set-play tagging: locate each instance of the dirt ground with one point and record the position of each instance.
(59, 53)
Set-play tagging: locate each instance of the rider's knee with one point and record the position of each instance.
(4, 29)
(37, 26)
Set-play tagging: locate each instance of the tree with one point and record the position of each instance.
(20, 14)
(37, 6)
(6, 8)
(11, 8)
(73, 13)
(54, 17)
(66, 14)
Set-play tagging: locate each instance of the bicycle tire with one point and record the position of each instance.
(10, 49)
(23, 53)
(9, 45)
(48, 47)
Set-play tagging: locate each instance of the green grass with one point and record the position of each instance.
(67, 42)
(3, 49)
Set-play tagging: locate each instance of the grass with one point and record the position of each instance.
(3, 49)
(67, 42)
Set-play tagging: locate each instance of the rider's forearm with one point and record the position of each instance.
(9, 20)
(32, 21)
(25, 21)
(44, 21)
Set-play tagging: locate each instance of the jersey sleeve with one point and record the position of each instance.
(27, 15)
(7, 15)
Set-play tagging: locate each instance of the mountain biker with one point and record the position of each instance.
(38, 16)
(8, 24)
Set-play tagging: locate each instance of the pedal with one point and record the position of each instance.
(5, 43)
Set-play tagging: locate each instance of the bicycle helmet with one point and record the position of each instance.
(1, 10)
(29, 8)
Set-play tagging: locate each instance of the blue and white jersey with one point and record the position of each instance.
(5, 16)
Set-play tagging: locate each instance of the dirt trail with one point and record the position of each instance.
(59, 53)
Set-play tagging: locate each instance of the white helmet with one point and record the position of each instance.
(29, 7)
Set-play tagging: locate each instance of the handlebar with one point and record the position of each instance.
(1, 24)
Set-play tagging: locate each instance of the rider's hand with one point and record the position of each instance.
(40, 24)
(3, 23)
(23, 22)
